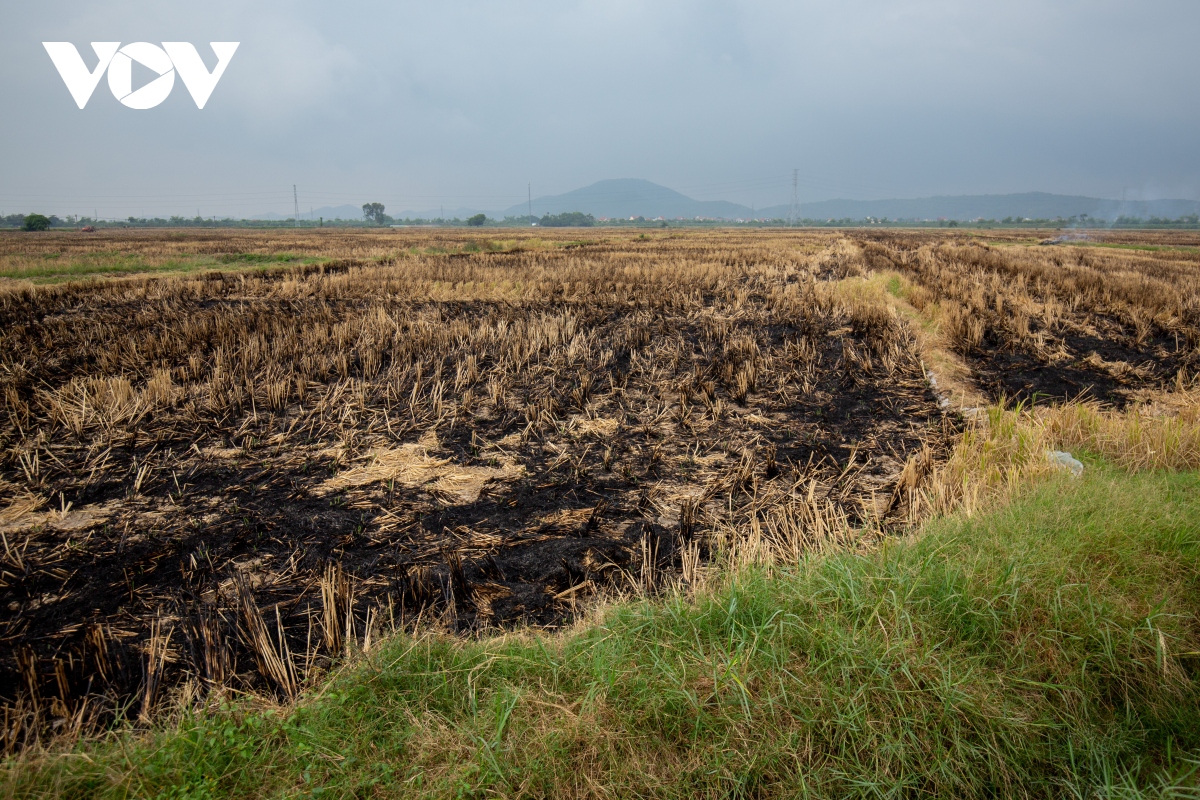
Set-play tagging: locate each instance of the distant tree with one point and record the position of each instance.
(568, 219)
(477, 220)
(36, 222)
(373, 212)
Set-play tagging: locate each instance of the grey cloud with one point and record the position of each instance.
(464, 102)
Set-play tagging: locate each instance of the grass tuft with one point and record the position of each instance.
(1003, 449)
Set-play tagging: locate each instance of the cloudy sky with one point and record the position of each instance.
(465, 102)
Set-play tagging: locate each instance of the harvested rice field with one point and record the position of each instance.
(237, 454)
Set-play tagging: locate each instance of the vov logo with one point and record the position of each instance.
(172, 57)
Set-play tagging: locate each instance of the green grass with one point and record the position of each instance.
(53, 268)
(1153, 248)
(1048, 648)
(263, 258)
(475, 246)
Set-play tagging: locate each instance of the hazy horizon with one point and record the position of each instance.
(466, 104)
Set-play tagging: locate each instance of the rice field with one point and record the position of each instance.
(227, 458)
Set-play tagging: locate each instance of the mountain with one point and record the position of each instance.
(1034, 205)
(629, 197)
(632, 197)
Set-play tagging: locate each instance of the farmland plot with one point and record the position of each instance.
(225, 479)
(1101, 320)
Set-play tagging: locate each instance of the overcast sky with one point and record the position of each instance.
(464, 102)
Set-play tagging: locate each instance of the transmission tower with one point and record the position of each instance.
(296, 201)
(794, 208)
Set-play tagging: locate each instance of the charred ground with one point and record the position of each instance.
(225, 479)
(1104, 318)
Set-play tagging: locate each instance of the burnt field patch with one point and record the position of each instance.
(1079, 365)
(227, 480)
(224, 481)
(1052, 323)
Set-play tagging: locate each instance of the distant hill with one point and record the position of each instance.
(632, 197)
(1034, 205)
(629, 197)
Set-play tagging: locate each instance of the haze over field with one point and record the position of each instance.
(424, 106)
(626, 198)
